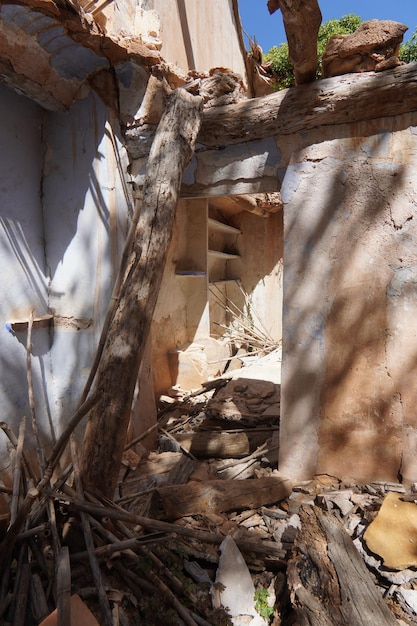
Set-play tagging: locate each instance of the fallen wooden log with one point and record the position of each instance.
(114, 512)
(218, 496)
(328, 581)
(222, 445)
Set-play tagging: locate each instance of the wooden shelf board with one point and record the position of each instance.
(215, 254)
(224, 228)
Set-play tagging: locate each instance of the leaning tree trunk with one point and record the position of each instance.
(117, 372)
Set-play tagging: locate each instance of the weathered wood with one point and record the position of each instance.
(222, 445)
(21, 600)
(332, 101)
(117, 373)
(347, 99)
(38, 604)
(63, 588)
(9, 541)
(302, 19)
(328, 580)
(218, 496)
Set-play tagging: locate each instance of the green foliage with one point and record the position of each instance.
(281, 65)
(261, 604)
(278, 55)
(408, 51)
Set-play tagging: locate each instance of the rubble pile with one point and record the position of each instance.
(205, 530)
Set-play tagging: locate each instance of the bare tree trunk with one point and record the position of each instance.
(126, 339)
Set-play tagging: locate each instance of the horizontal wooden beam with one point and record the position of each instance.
(339, 100)
(244, 148)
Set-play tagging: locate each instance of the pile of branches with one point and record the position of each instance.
(63, 540)
(245, 328)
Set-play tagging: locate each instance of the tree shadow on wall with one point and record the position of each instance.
(350, 345)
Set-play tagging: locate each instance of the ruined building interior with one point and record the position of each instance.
(294, 235)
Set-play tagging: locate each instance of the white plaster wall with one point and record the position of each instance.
(64, 215)
(86, 214)
(23, 285)
(200, 35)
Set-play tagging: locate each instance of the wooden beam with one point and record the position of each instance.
(328, 581)
(125, 341)
(262, 204)
(346, 99)
(218, 496)
(340, 100)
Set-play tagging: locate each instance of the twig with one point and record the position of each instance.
(147, 432)
(103, 552)
(159, 565)
(183, 450)
(40, 450)
(63, 591)
(19, 617)
(88, 538)
(17, 473)
(4, 604)
(38, 603)
(8, 543)
(60, 445)
(36, 530)
(135, 581)
(155, 580)
(56, 542)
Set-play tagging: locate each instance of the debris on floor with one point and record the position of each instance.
(206, 531)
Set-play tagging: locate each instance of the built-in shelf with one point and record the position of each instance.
(216, 254)
(223, 228)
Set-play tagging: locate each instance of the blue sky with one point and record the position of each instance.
(269, 29)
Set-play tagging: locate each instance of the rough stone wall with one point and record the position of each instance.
(350, 334)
